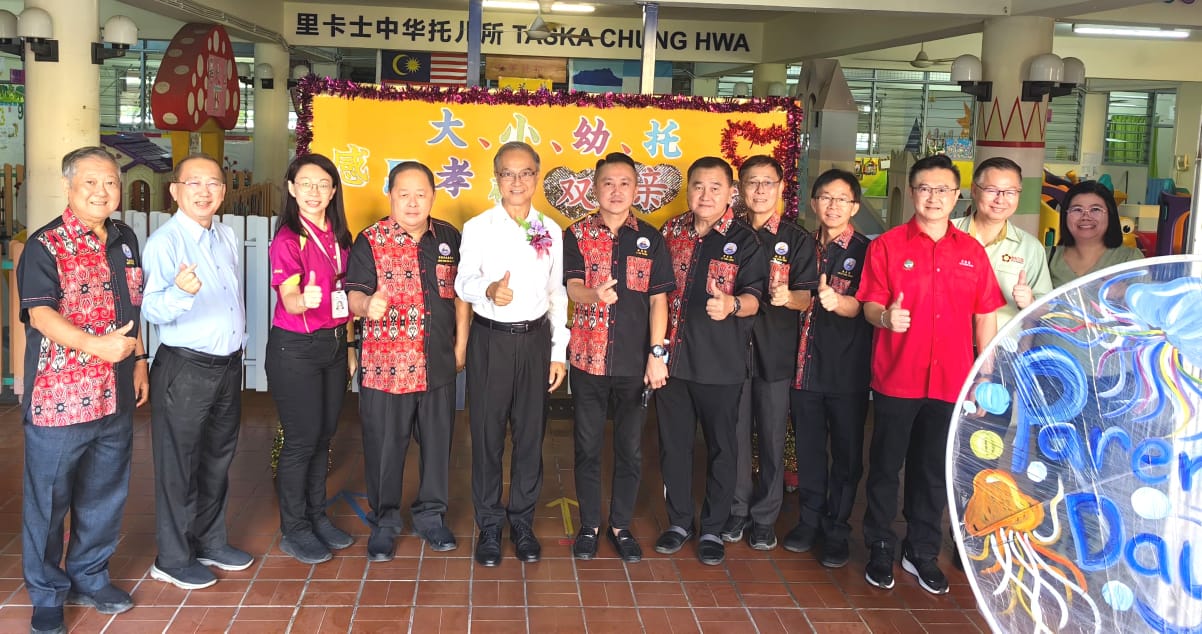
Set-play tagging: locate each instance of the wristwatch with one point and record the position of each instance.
(738, 305)
(658, 351)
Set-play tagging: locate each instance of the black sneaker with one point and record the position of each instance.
(763, 537)
(835, 553)
(47, 620)
(333, 537)
(381, 545)
(440, 539)
(732, 531)
(801, 538)
(585, 546)
(193, 576)
(879, 571)
(488, 546)
(305, 547)
(107, 600)
(926, 570)
(225, 557)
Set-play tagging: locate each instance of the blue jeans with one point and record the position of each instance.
(83, 468)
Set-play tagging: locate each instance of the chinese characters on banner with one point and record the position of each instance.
(366, 130)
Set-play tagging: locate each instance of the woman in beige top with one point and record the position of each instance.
(1090, 235)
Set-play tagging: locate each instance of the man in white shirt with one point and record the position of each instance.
(511, 272)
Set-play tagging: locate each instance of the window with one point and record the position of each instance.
(915, 110)
(1062, 142)
(1128, 127)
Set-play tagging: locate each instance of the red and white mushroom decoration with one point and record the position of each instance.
(197, 80)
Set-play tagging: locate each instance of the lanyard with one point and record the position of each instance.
(336, 260)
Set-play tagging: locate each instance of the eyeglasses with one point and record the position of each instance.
(524, 175)
(308, 186)
(1006, 194)
(827, 201)
(196, 186)
(1078, 210)
(927, 190)
(759, 185)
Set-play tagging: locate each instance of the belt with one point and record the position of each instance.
(511, 327)
(203, 358)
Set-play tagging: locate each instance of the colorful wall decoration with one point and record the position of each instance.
(368, 129)
(1075, 455)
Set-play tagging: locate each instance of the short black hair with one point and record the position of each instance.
(996, 163)
(199, 156)
(710, 162)
(836, 174)
(1114, 230)
(760, 160)
(615, 158)
(933, 162)
(405, 166)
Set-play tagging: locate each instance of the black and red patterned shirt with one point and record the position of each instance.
(704, 350)
(97, 286)
(614, 340)
(412, 348)
(833, 351)
(790, 252)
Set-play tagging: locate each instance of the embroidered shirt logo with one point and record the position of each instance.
(967, 264)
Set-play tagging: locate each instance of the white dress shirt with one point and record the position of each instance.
(493, 244)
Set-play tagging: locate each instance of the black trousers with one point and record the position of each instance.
(507, 389)
(679, 406)
(764, 409)
(389, 421)
(826, 495)
(910, 432)
(307, 374)
(197, 409)
(590, 395)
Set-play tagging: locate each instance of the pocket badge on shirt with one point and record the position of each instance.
(338, 305)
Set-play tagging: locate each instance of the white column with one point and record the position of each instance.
(764, 75)
(1185, 141)
(271, 117)
(62, 102)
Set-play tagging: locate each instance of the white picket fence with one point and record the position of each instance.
(254, 235)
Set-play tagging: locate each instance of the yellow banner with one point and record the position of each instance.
(366, 130)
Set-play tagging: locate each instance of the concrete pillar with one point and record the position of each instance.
(764, 75)
(1185, 139)
(271, 117)
(1093, 128)
(1008, 126)
(62, 102)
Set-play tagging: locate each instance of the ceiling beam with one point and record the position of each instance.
(983, 8)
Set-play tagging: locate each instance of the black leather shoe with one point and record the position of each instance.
(525, 543)
(671, 541)
(440, 539)
(585, 546)
(628, 549)
(488, 546)
(711, 552)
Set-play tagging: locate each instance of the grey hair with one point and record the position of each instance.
(71, 159)
(515, 145)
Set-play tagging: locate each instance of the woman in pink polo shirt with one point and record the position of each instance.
(307, 360)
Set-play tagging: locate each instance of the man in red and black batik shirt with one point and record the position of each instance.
(80, 283)
(401, 279)
(618, 274)
(764, 406)
(720, 277)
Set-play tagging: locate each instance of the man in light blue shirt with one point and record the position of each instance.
(194, 296)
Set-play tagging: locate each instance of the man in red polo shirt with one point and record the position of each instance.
(922, 278)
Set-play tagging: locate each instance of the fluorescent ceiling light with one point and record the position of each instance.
(564, 7)
(1124, 31)
(521, 5)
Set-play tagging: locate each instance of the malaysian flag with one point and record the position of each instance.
(423, 67)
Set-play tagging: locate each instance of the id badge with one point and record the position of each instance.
(338, 306)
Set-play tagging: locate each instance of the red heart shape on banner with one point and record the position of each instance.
(571, 192)
(771, 139)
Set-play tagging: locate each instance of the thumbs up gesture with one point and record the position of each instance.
(312, 293)
(778, 290)
(719, 304)
(499, 291)
(827, 295)
(186, 279)
(895, 317)
(377, 304)
(115, 345)
(606, 293)
(1023, 296)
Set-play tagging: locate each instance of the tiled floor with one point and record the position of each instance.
(422, 591)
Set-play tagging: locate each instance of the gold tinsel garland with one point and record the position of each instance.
(278, 445)
(790, 457)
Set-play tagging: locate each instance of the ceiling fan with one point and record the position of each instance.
(921, 60)
(540, 30)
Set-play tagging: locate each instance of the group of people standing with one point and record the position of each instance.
(736, 322)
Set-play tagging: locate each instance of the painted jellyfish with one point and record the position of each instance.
(1083, 396)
